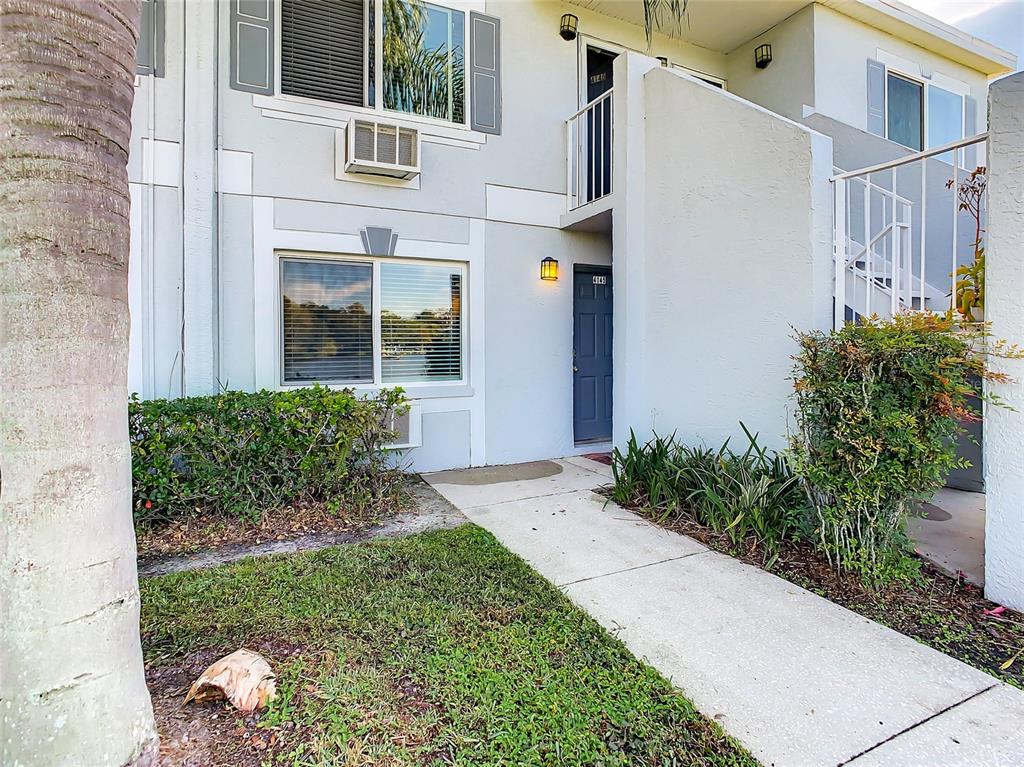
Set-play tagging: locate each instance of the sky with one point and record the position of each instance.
(1000, 22)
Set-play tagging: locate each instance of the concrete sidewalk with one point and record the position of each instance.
(796, 678)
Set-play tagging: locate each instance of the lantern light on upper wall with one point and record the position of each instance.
(763, 56)
(549, 269)
(570, 25)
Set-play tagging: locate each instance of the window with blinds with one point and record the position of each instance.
(420, 323)
(328, 322)
(323, 44)
(327, 313)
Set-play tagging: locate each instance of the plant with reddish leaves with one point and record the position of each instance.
(969, 288)
(880, 407)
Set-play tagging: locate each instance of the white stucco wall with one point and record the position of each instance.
(529, 410)
(1004, 307)
(788, 82)
(721, 246)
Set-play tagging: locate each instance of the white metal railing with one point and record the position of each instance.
(589, 135)
(898, 237)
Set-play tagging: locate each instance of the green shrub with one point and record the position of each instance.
(240, 453)
(879, 410)
(752, 496)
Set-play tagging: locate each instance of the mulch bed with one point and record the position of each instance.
(204, 531)
(946, 613)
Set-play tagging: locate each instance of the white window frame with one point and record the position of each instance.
(889, 72)
(378, 110)
(703, 76)
(375, 326)
(945, 83)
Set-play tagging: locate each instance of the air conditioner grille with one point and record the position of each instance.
(383, 149)
(407, 148)
(364, 141)
(387, 144)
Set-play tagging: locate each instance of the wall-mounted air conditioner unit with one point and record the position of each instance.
(382, 149)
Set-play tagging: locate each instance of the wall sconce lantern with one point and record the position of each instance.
(570, 24)
(763, 56)
(549, 269)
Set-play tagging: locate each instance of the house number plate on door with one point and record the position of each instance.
(600, 279)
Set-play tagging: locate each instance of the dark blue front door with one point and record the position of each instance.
(592, 354)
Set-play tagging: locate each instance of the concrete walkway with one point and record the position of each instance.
(796, 678)
(951, 533)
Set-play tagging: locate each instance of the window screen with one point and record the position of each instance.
(328, 325)
(905, 107)
(421, 323)
(323, 46)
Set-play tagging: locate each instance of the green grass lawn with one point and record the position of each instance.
(442, 648)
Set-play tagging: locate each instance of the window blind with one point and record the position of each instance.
(323, 49)
(328, 325)
(421, 323)
(905, 108)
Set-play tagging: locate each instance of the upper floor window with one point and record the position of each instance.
(922, 116)
(424, 60)
(905, 113)
(945, 116)
(332, 50)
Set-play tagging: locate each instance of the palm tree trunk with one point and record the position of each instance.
(72, 690)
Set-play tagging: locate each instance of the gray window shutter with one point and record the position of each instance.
(485, 73)
(252, 46)
(149, 57)
(323, 49)
(970, 129)
(876, 97)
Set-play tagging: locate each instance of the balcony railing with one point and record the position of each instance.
(589, 136)
(902, 231)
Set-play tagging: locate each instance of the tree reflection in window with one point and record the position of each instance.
(328, 326)
(424, 59)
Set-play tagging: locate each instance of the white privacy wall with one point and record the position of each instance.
(721, 246)
(1004, 307)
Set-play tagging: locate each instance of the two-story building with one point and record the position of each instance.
(471, 198)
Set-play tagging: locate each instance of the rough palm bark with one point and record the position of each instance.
(72, 690)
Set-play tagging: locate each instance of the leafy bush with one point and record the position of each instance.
(751, 496)
(879, 406)
(241, 453)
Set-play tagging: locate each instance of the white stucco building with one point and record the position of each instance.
(306, 210)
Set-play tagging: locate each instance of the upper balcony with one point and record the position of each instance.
(589, 137)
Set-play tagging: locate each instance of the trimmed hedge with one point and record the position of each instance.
(241, 453)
